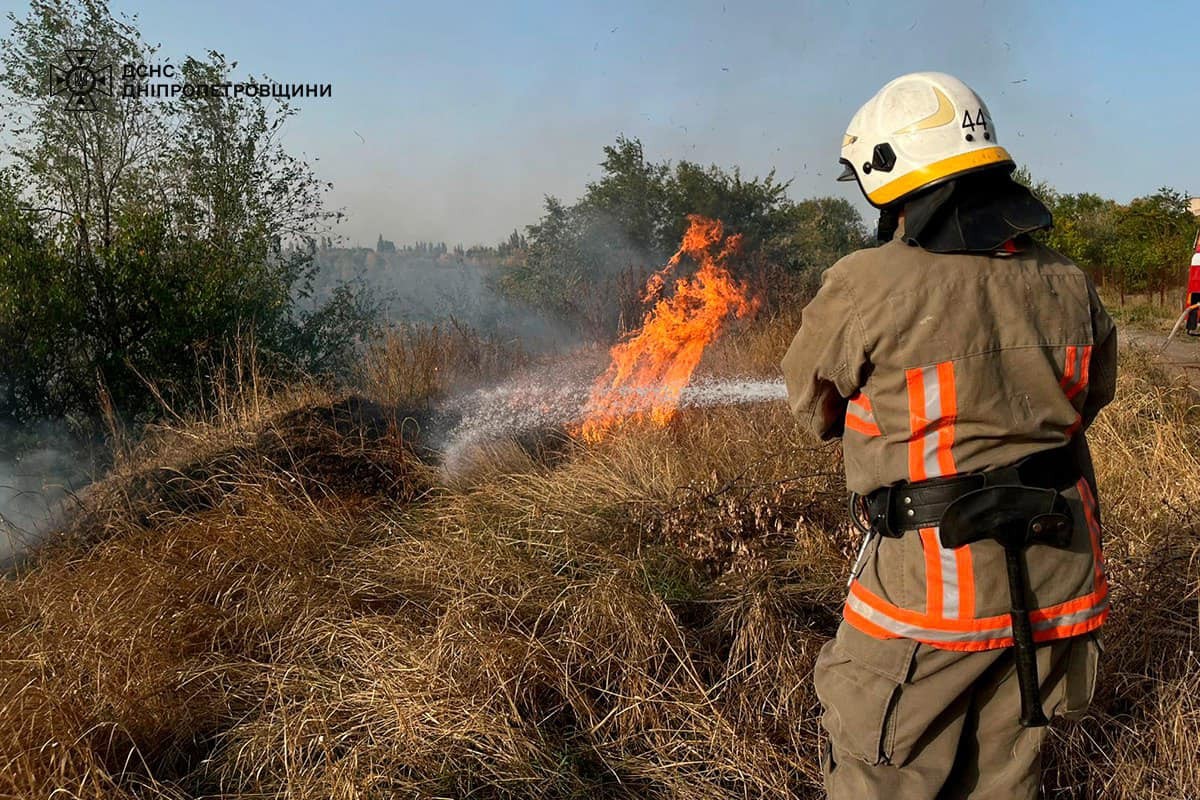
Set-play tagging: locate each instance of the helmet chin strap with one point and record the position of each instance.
(974, 213)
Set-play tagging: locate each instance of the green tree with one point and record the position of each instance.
(587, 262)
(629, 196)
(815, 233)
(30, 332)
(1153, 235)
(1085, 230)
(76, 166)
(580, 266)
(163, 233)
(757, 208)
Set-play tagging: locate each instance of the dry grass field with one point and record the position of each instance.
(289, 599)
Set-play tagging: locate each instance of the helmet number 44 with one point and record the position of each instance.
(979, 120)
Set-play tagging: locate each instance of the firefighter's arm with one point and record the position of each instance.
(1102, 368)
(822, 367)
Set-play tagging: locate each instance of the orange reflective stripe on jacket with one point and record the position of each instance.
(876, 617)
(949, 578)
(932, 409)
(1075, 378)
(1089, 510)
(1075, 372)
(860, 416)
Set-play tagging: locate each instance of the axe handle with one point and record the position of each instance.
(1025, 656)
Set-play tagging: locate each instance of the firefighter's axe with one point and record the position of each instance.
(1015, 516)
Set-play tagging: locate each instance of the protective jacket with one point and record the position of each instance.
(935, 364)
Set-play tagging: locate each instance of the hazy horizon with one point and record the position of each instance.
(453, 123)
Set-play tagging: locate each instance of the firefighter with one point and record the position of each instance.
(961, 362)
(1191, 301)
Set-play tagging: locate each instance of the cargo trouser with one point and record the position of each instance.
(908, 721)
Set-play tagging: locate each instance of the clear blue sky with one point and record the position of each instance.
(472, 112)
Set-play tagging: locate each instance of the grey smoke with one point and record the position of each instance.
(428, 289)
(36, 489)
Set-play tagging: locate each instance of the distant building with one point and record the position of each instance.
(1195, 201)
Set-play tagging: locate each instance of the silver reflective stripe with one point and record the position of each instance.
(860, 412)
(950, 593)
(932, 413)
(1073, 618)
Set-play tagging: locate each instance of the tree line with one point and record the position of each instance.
(1143, 246)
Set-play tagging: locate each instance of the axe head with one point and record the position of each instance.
(1013, 515)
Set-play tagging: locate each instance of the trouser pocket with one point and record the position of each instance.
(858, 704)
(1079, 680)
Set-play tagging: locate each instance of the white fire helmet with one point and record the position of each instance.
(919, 130)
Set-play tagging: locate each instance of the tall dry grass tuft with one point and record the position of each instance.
(634, 619)
(415, 364)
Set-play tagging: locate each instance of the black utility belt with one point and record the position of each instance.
(901, 507)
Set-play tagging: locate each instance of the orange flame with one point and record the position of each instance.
(651, 366)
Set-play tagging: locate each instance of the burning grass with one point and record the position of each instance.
(634, 618)
(652, 366)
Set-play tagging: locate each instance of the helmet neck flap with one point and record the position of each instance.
(974, 213)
